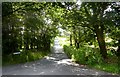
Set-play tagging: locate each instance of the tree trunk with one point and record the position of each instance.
(78, 41)
(75, 36)
(70, 39)
(101, 41)
(118, 50)
(26, 43)
(31, 44)
(48, 44)
(78, 44)
(118, 54)
(75, 42)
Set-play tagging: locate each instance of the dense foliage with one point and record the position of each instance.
(91, 22)
(84, 55)
(26, 27)
(92, 57)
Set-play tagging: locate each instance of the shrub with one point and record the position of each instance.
(93, 58)
(84, 55)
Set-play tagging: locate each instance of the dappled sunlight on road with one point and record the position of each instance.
(67, 62)
(50, 58)
(64, 61)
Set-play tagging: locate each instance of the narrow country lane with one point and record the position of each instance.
(56, 63)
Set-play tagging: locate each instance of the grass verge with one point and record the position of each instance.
(92, 58)
(23, 57)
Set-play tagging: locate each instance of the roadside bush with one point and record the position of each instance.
(84, 55)
(69, 50)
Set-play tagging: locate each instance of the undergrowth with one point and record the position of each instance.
(23, 57)
(92, 57)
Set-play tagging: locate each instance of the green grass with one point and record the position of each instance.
(23, 57)
(92, 58)
(113, 68)
(63, 41)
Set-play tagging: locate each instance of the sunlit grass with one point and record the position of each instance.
(64, 41)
